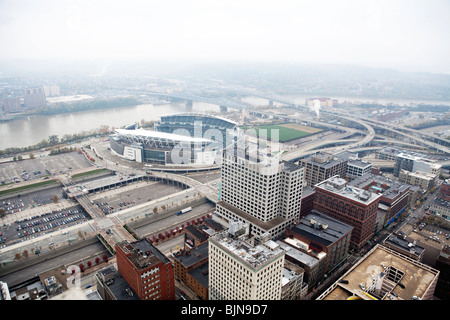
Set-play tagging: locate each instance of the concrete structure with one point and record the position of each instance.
(321, 166)
(422, 179)
(51, 91)
(143, 145)
(357, 168)
(10, 104)
(259, 190)
(34, 98)
(413, 163)
(384, 274)
(148, 272)
(240, 270)
(351, 205)
(321, 236)
(179, 139)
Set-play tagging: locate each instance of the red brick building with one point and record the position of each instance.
(148, 272)
(353, 206)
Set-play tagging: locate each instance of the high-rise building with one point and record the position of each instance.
(321, 166)
(240, 270)
(148, 272)
(34, 98)
(51, 91)
(351, 205)
(260, 190)
(10, 104)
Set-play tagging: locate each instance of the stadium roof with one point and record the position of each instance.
(198, 115)
(160, 135)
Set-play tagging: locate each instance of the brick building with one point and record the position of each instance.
(353, 206)
(148, 272)
(191, 267)
(320, 235)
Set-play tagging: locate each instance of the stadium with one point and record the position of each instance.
(180, 139)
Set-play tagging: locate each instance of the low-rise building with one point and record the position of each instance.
(324, 237)
(424, 180)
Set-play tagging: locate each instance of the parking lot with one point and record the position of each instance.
(132, 195)
(32, 169)
(37, 225)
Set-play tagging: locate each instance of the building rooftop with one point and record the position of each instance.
(441, 203)
(201, 274)
(149, 134)
(294, 252)
(195, 255)
(321, 228)
(120, 288)
(339, 186)
(383, 274)
(389, 188)
(253, 256)
(324, 160)
(143, 254)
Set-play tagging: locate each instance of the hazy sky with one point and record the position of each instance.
(410, 35)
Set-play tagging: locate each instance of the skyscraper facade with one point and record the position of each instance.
(240, 270)
(260, 190)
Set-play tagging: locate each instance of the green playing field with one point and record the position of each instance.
(284, 134)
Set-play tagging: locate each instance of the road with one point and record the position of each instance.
(73, 257)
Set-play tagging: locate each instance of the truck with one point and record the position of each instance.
(184, 210)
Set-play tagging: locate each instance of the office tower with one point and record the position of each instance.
(321, 166)
(34, 98)
(351, 205)
(260, 190)
(51, 91)
(148, 272)
(10, 104)
(240, 270)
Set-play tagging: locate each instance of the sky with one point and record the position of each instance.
(408, 35)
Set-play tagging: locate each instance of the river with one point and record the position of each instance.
(25, 132)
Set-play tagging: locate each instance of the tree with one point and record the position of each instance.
(32, 156)
(155, 209)
(55, 198)
(81, 267)
(19, 158)
(105, 258)
(53, 139)
(25, 253)
(97, 260)
(89, 263)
